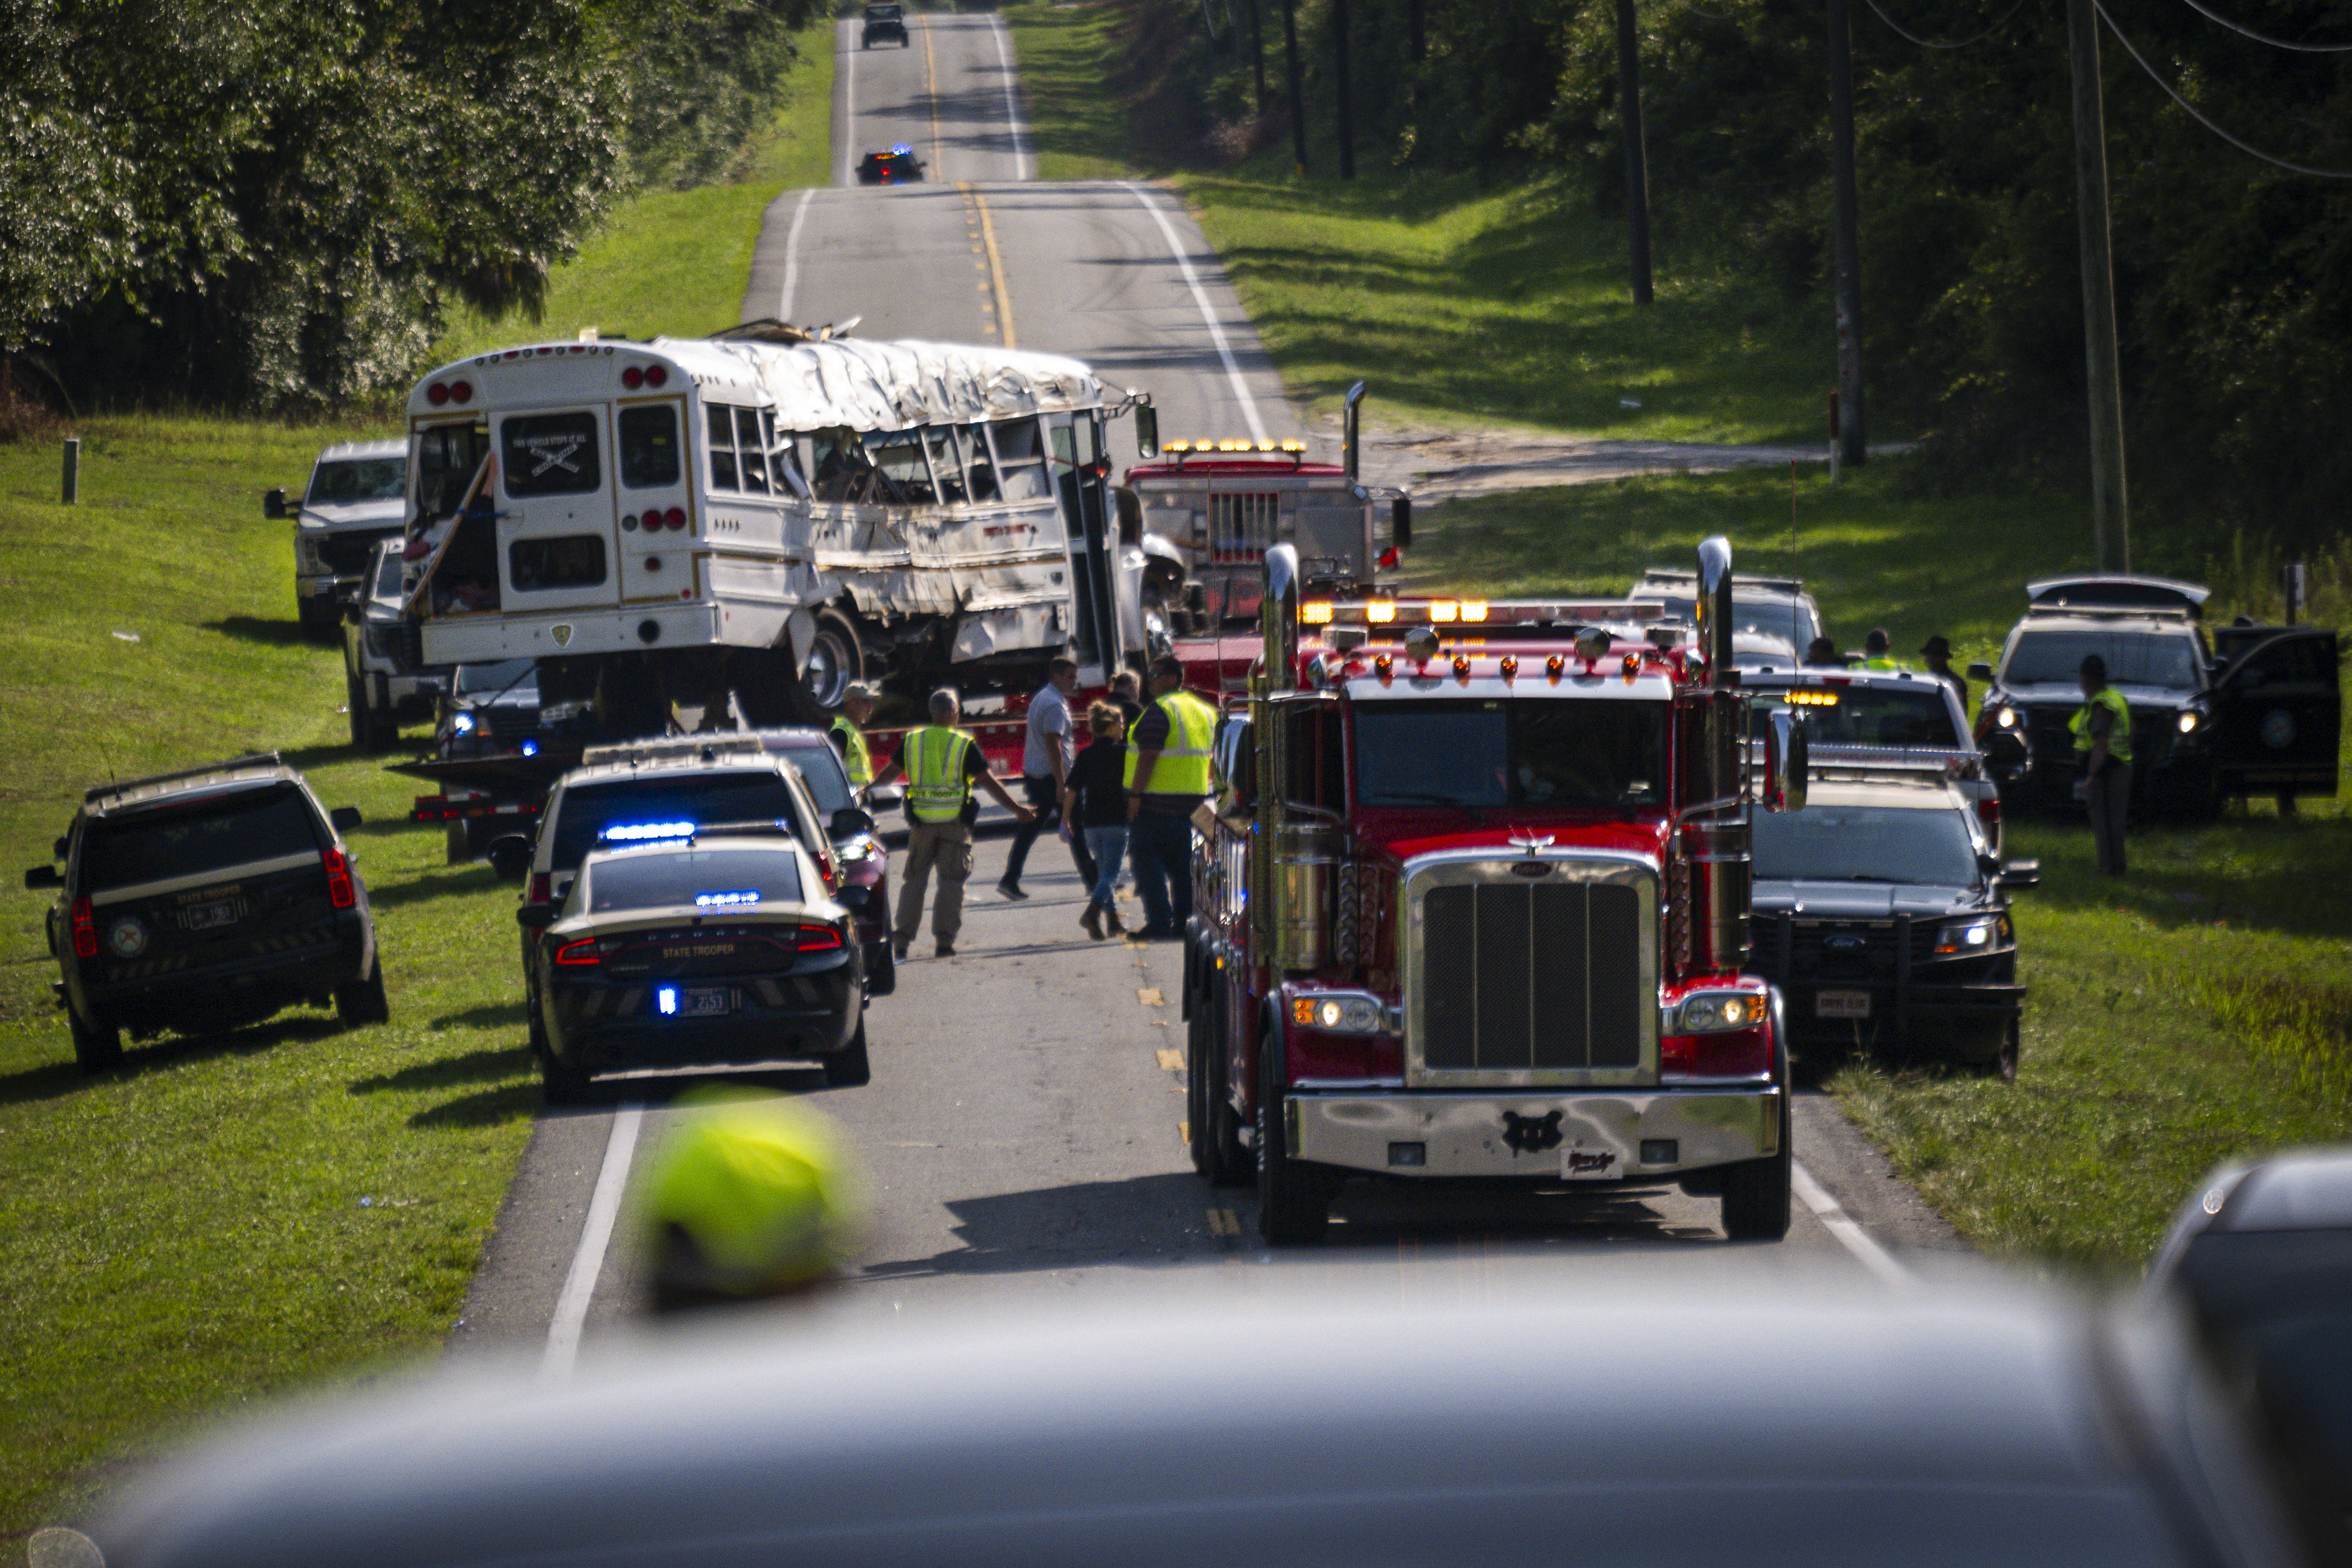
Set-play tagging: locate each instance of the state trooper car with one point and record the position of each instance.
(2264, 718)
(1882, 912)
(680, 947)
(207, 899)
(355, 499)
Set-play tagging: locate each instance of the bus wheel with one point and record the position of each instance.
(835, 660)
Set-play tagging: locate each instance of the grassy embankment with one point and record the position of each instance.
(2189, 1013)
(187, 1235)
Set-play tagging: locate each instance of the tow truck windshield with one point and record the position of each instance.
(1864, 844)
(1509, 752)
(2134, 658)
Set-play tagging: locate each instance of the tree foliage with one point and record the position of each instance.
(275, 201)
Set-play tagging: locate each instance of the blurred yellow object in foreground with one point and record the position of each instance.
(751, 1195)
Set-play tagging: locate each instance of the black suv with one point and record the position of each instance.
(207, 900)
(884, 22)
(2264, 718)
(1882, 915)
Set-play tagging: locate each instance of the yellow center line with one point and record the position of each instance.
(995, 263)
(931, 82)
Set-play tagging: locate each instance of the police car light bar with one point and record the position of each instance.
(1489, 613)
(694, 748)
(726, 900)
(644, 832)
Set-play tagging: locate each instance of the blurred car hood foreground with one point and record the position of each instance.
(1790, 1427)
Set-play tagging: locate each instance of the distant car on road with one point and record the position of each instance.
(1881, 913)
(2261, 1258)
(2264, 718)
(1768, 608)
(356, 499)
(383, 685)
(208, 899)
(695, 950)
(1774, 1428)
(888, 22)
(898, 166)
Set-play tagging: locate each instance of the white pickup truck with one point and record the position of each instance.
(356, 499)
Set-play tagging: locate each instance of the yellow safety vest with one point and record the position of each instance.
(936, 786)
(853, 741)
(1183, 765)
(2119, 734)
(1880, 664)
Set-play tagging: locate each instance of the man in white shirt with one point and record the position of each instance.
(1046, 758)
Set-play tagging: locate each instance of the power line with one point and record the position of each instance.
(1931, 44)
(2266, 37)
(2193, 114)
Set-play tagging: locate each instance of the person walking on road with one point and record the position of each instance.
(941, 764)
(848, 731)
(2103, 743)
(1167, 777)
(1046, 755)
(1937, 652)
(1126, 692)
(1095, 800)
(1878, 650)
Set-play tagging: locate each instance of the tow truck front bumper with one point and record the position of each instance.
(1577, 1136)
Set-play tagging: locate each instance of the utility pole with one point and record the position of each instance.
(2110, 504)
(1257, 56)
(1846, 243)
(1637, 170)
(1413, 17)
(1290, 68)
(1340, 82)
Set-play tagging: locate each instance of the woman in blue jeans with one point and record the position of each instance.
(1094, 800)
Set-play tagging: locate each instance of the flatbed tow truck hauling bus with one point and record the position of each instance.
(760, 517)
(1471, 904)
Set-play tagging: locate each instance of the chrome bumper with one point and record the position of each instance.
(1574, 1137)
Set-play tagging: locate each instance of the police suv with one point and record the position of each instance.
(2263, 718)
(208, 899)
(356, 497)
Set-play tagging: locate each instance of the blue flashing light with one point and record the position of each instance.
(901, 149)
(724, 900)
(462, 724)
(666, 1001)
(530, 748)
(646, 832)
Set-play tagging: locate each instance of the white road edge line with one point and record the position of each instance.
(588, 1261)
(792, 257)
(1024, 166)
(849, 100)
(1839, 1224)
(1201, 298)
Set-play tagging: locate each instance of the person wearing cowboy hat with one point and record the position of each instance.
(1937, 651)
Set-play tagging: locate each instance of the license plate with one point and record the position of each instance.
(706, 1003)
(1841, 1004)
(204, 917)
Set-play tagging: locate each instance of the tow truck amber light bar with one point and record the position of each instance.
(1181, 448)
(1476, 612)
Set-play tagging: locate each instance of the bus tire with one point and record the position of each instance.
(835, 660)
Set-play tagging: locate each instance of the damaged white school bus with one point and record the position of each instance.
(768, 516)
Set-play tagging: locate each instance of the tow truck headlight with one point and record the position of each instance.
(1345, 1012)
(1713, 1012)
(1980, 935)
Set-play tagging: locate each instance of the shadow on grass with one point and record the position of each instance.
(58, 1080)
(489, 1016)
(422, 889)
(253, 630)
(474, 1067)
(2257, 872)
(484, 1108)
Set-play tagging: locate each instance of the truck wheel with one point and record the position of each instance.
(1159, 637)
(1293, 1199)
(1214, 1130)
(465, 840)
(1756, 1193)
(370, 732)
(835, 660)
(2002, 1063)
(362, 1002)
(95, 1049)
(847, 1067)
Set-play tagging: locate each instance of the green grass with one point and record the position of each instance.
(1461, 306)
(185, 1234)
(676, 262)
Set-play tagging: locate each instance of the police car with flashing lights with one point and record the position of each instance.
(1882, 912)
(204, 900)
(898, 166)
(857, 840)
(677, 946)
(1905, 721)
(355, 499)
(2259, 713)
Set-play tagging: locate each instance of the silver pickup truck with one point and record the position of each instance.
(355, 498)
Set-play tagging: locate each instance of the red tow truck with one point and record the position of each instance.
(1470, 902)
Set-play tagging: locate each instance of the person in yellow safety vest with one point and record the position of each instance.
(848, 731)
(750, 1196)
(2103, 744)
(1876, 651)
(1167, 778)
(940, 764)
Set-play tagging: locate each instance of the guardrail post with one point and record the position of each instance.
(72, 485)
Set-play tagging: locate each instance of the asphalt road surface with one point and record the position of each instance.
(1022, 1138)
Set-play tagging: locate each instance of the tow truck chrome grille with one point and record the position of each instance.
(1516, 977)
